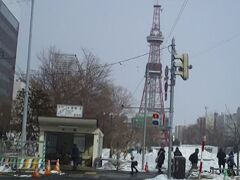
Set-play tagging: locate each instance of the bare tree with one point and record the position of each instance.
(119, 130)
(233, 124)
(86, 83)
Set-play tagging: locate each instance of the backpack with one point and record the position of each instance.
(191, 158)
(135, 163)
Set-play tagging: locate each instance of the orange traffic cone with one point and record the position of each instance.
(48, 169)
(57, 166)
(36, 173)
(146, 167)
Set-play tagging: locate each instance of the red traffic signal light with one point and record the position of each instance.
(155, 116)
(155, 119)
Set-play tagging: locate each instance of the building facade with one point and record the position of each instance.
(18, 85)
(179, 130)
(229, 125)
(9, 26)
(59, 134)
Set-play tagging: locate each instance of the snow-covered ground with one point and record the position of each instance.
(209, 160)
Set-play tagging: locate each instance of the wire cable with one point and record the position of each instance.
(132, 58)
(176, 20)
(13, 2)
(138, 85)
(220, 43)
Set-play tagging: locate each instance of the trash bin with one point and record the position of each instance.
(179, 165)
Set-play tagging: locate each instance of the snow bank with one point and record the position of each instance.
(209, 160)
(5, 169)
(159, 177)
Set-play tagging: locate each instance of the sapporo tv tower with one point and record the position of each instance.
(153, 82)
(152, 97)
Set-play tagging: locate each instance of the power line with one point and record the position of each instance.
(132, 58)
(13, 2)
(140, 82)
(176, 20)
(194, 56)
(106, 65)
(135, 57)
(220, 43)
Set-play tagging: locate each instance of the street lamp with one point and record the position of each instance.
(25, 110)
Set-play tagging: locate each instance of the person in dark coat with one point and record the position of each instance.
(177, 152)
(160, 159)
(194, 159)
(75, 156)
(133, 165)
(221, 159)
(231, 164)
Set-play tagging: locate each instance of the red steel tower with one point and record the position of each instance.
(153, 82)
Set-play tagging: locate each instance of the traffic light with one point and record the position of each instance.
(155, 119)
(183, 68)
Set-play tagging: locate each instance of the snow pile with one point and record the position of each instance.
(159, 177)
(23, 176)
(53, 172)
(209, 160)
(105, 153)
(5, 169)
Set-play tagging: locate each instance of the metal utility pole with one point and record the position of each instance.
(145, 119)
(172, 84)
(205, 122)
(24, 122)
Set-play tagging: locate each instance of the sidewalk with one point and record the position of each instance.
(88, 173)
(110, 174)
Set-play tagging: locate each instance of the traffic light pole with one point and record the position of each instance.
(172, 84)
(145, 119)
(25, 110)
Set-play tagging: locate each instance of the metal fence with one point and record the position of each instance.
(17, 148)
(18, 155)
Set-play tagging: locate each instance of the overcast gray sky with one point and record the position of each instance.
(115, 30)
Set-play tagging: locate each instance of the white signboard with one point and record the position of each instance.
(69, 111)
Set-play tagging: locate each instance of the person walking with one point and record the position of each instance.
(133, 165)
(177, 152)
(221, 160)
(193, 158)
(75, 156)
(231, 164)
(160, 159)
